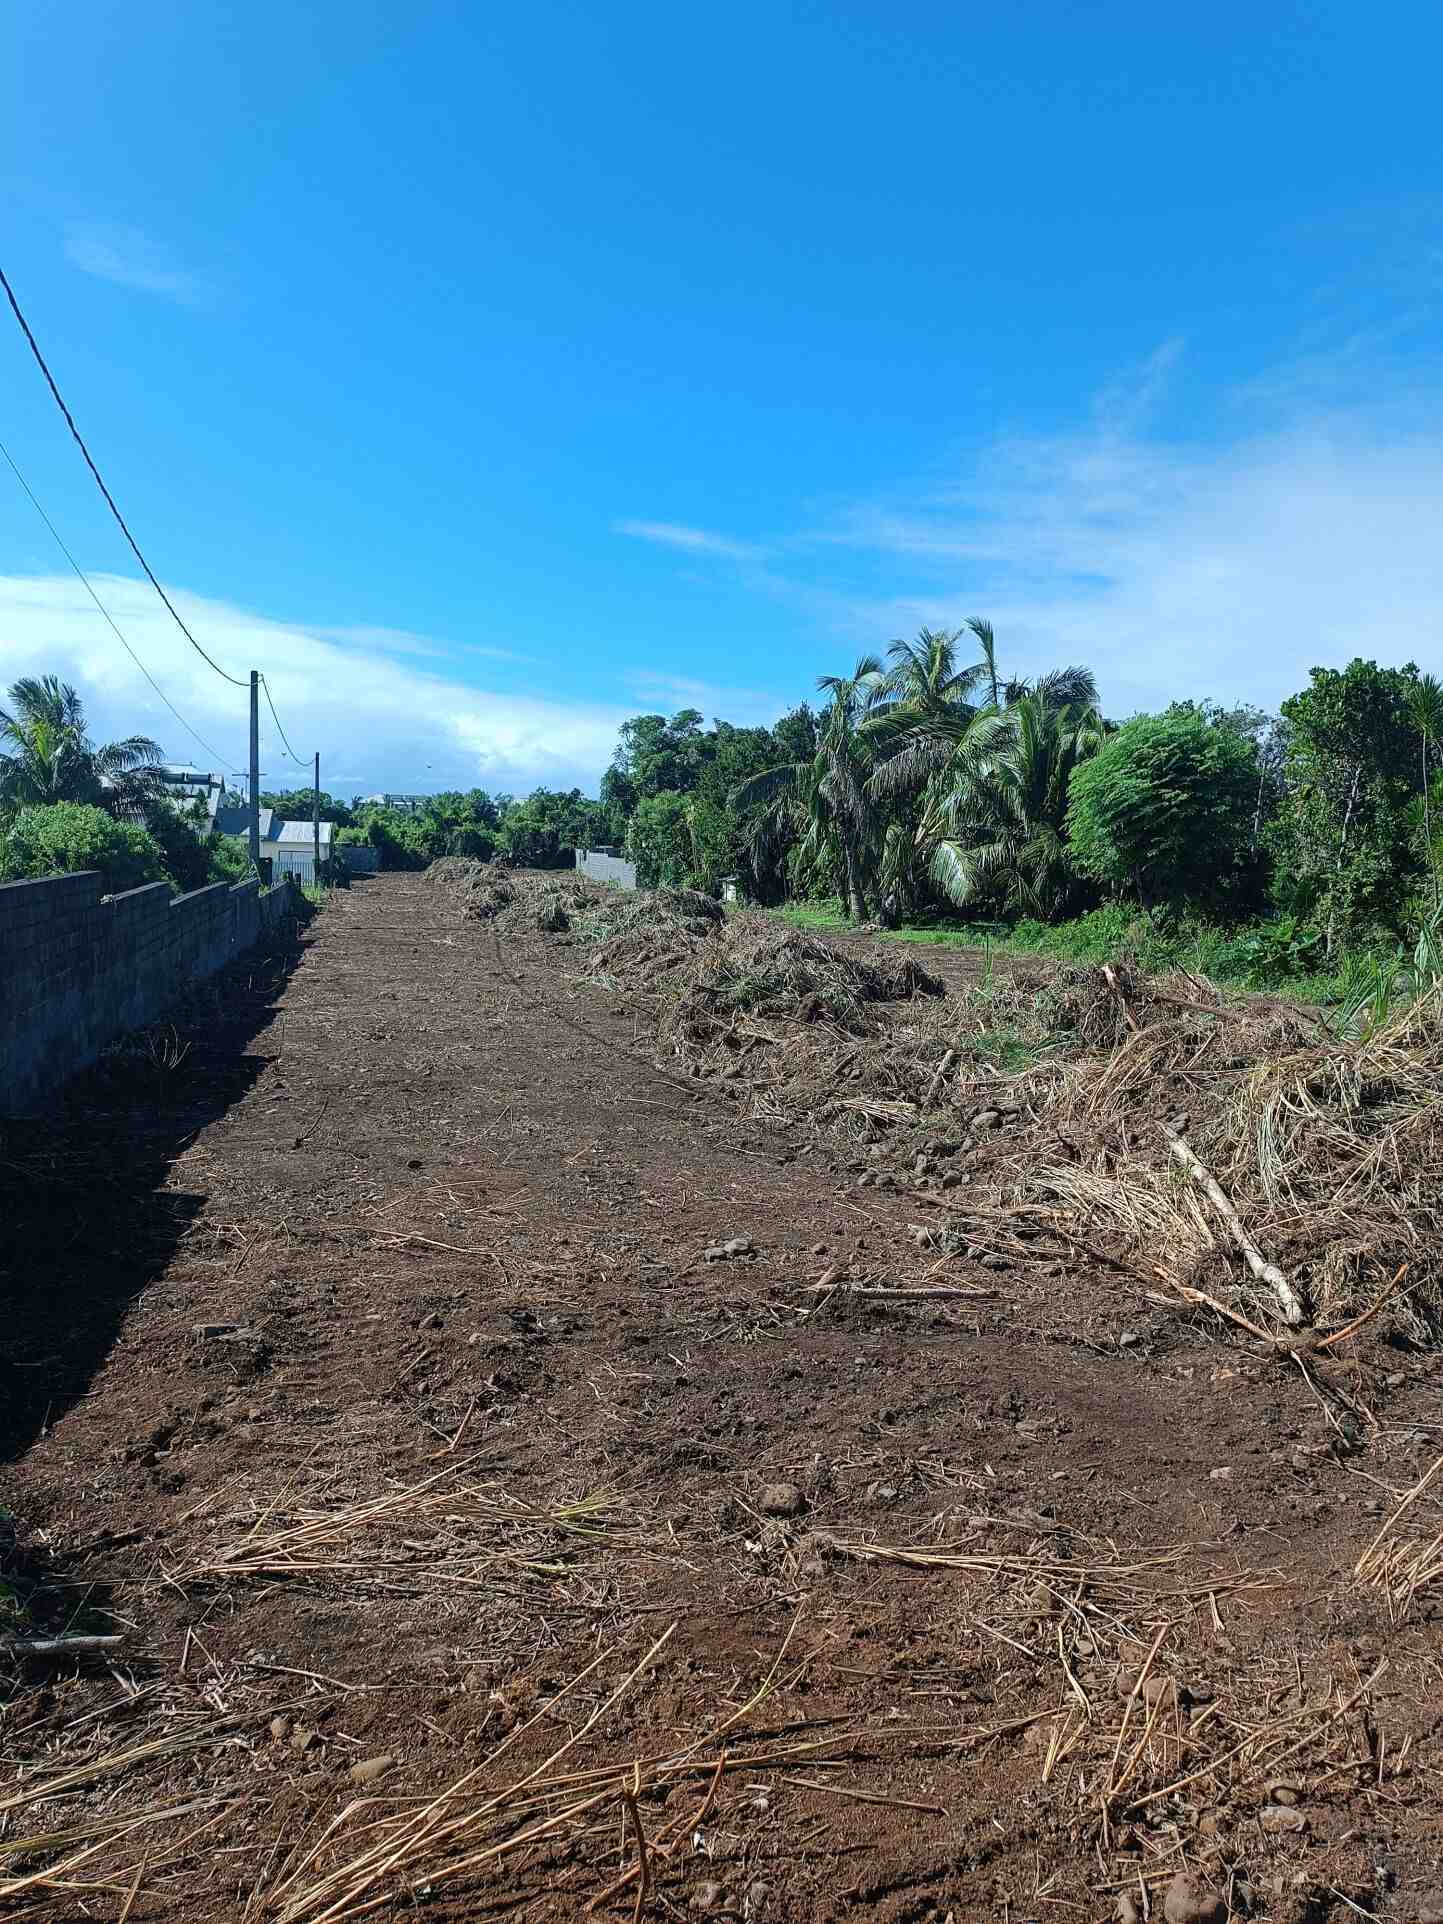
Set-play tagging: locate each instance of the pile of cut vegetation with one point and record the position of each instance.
(761, 968)
(483, 889)
(649, 940)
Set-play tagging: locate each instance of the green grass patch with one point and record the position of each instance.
(1281, 956)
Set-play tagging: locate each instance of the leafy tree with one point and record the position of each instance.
(658, 840)
(1164, 809)
(294, 805)
(46, 754)
(59, 838)
(1343, 842)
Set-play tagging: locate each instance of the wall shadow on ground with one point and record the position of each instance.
(85, 1222)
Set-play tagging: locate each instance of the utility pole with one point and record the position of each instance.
(255, 835)
(316, 817)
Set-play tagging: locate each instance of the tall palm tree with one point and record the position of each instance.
(826, 798)
(46, 754)
(995, 826)
(978, 764)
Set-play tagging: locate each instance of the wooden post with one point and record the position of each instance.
(316, 818)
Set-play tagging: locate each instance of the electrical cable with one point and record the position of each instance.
(234, 680)
(220, 761)
(281, 731)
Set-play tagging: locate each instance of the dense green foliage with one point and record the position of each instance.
(1163, 809)
(59, 837)
(1347, 852)
(935, 786)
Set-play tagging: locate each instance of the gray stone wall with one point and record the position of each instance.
(78, 969)
(600, 867)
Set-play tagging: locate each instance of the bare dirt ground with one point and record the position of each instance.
(482, 1547)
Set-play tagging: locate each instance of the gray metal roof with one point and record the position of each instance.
(235, 819)
(299, 832)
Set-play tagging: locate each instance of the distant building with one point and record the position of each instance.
(288, 846)
(407, 803)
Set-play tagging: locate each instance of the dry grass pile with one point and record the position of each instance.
(1330, 1150)
(483, 889)
(647, 941)
(785, 975)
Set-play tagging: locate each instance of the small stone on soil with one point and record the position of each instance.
(370, 1769)
(710, 1896)
(1189, 1901)
(1277, 1819)
(782, 1499)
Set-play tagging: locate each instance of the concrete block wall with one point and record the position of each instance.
(599, 866)
(78, 969)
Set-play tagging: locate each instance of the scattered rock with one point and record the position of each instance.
(1285, 1793)
(303, 1738)
(1128, 1340)
(986, 1119)
(213, 1332)
(1189, 1901)
(782, 1499)
(1428, 1907)
(1279, 1819)
(754, 1903)
(1127, 1911)
(710, 1896)
(370, 1769)
(1222, 1475)
(1156, 1690)
(280, 1728)
(730, 1250)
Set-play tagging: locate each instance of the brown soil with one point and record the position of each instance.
(454, 1220)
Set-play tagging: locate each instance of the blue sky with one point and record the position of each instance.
(488, 373)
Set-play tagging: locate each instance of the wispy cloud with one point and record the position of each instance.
(671, 534)
(407, 725)
(1297, 527)
(130, 258)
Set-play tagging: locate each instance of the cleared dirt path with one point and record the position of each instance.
(416, 1204)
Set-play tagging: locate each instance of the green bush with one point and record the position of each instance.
(64, 837)
(1164, 810)
(227, 858)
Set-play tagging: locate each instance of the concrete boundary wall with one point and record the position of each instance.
(600, 865)
(78, 969)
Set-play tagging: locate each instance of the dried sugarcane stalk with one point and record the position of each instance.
(936, 1083)
(57, 1646)
(1288, 1299)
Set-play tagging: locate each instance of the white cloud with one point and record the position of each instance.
(113, 252)
(1300, 529)
(670, 534)
(405, 726)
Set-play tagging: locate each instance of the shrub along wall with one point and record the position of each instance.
(78, 969)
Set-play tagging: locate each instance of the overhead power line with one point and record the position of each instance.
(234, 680)
(217, 758)
(280, 731)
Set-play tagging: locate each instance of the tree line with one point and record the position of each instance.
(928, 782)
(935, 781)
